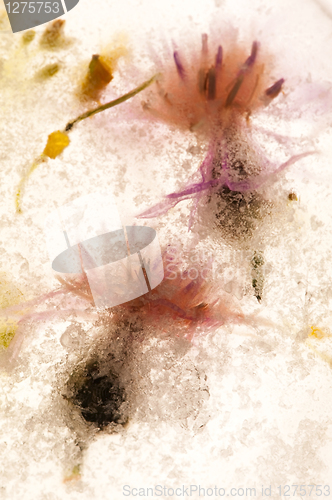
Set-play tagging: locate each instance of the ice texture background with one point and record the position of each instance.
(247, 405)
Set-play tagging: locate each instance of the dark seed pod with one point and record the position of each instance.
(99, 397)
(257, 274)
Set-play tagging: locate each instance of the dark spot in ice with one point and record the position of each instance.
(98, 397)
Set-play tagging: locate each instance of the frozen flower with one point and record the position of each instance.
(179, 304)
(213, 95)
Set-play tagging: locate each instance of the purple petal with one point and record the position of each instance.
(195, 188)
(258, 181)
(292, 160)
(252, 58)
(178, 65)
(274, 90)
(219, 57)
(158, 209)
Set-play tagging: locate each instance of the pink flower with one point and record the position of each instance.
(179, 303)
(213, 94)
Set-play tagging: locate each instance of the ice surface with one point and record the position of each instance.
(246, 405)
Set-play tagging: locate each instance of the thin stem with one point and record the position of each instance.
(111, 104)
(69, 126)
(21, 185)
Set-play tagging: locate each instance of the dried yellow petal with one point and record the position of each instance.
(7, 331)
(101, 69)
(99, 75)
(53, 34)
(48, 71)
(317, 333)
(28, 36)
(56, 143)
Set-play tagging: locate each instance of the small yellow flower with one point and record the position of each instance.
(56, 143)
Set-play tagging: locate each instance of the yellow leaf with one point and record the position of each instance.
(56, 143)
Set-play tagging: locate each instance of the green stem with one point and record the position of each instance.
(111, 104)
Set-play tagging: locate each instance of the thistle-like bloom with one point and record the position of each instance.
(211, 91)
(213, 96)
